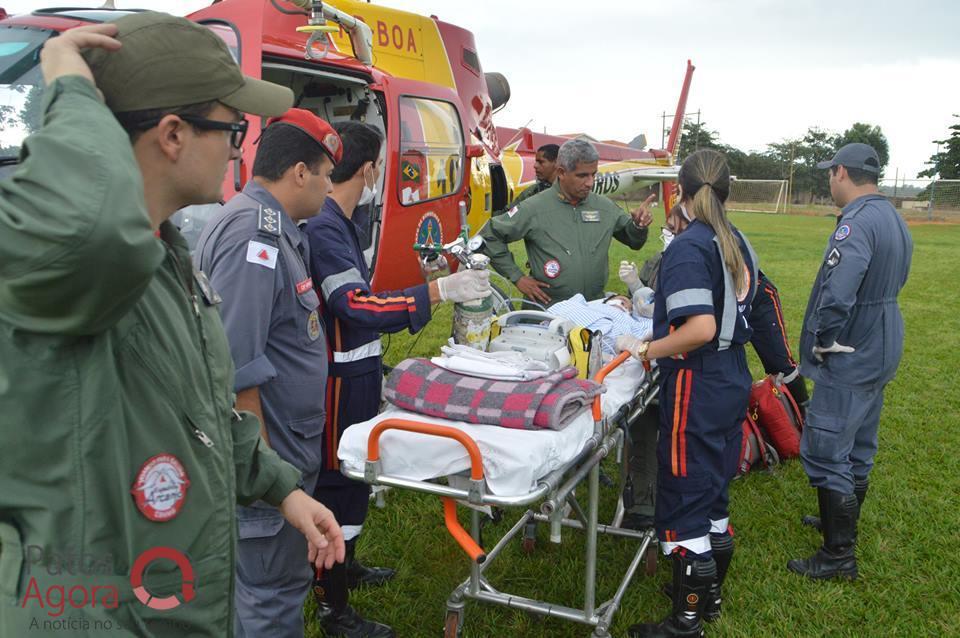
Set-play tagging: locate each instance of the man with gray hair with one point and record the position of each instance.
(567, 231)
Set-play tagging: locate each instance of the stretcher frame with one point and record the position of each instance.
(554, 491)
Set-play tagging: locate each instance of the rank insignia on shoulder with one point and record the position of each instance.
(833, 258)
(210, 295)
(269, 221)
(842, 232)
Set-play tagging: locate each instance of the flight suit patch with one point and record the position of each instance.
(313, 325)
(512, 211)
(551, 269)
(833, 258)
(590, 215)
(160, 488)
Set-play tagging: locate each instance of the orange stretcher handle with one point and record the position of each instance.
(476, 461)
(601, 375)
(474, 551)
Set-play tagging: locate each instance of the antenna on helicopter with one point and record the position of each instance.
(108, 4)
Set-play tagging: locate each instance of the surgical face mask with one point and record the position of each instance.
(666, 236)
(369, 192)
(686, 216)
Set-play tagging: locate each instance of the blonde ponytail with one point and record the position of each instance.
(705, 179)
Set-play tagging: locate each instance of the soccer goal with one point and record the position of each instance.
(943, 196)
(758, 195)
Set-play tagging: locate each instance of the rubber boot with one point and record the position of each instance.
(360, 575)
(860, 487)
(691, 588)
(721, 546)
(837, 557)
(342, 620)
(798, 390)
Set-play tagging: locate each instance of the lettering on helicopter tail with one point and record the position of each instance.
(394, 36)
(606, 183)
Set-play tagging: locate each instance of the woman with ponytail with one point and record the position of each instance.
(706, 283)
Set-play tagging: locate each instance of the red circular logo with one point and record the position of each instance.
(160, 487)
(163, 603)
(551, 269)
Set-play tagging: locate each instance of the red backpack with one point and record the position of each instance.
(777, 414)
(754, 449)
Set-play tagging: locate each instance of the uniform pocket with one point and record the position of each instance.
(308, 427)
(11, 562)
(258, 521)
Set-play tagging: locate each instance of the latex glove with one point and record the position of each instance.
(628, 274)
(627, 343)
(465, 285)
(643, 302)
(819, 351)
(325, 545)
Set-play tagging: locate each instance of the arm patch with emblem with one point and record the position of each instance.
(833, 258)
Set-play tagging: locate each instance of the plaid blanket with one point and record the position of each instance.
(550, 402)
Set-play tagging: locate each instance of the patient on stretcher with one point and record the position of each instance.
(612, 316)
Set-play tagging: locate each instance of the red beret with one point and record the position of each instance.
(317, 128)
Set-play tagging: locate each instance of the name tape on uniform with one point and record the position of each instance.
(262, 254)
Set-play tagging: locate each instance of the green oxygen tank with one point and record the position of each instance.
(471, 319)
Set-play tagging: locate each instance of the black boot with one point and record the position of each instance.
(836, 558)
(359, 575)
(339, 619)
(860, 487)
(691, 588)
(722, 549)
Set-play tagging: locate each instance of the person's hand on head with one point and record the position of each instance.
(61, 57)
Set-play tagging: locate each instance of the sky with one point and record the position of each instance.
(766, 70)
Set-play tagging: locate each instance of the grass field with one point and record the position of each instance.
(908, 549)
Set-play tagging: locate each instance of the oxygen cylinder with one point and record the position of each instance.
(471, 319)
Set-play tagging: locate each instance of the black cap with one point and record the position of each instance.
(855, 155)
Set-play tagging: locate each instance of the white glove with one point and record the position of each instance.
(465, 285)
(643, 302)
(628, 274)
(833, 347)
(628, 343)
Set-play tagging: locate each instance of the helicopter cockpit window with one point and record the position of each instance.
(431, 150)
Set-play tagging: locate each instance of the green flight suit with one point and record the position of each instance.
(111, 353)
(534, 189)
(567, 245)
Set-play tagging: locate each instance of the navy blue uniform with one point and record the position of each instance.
(256, 258)
(770, 330)
(354, 318)
(853, 303)
(703, 393)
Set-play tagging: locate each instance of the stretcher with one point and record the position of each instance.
(482, 466)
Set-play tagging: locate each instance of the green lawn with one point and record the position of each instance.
(908, 550)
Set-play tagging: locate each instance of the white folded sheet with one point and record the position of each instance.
(513, 460)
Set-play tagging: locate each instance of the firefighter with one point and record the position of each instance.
(354, 318)
(121, 443)
(567, 231)
(256, 258)
(707, 281)
(545, 168)
(851, 345)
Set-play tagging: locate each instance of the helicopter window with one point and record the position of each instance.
(431, 150)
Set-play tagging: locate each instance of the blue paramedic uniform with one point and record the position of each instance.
(354, 318)
(703, 393)
(770, 330)
(257, 259)
(854, 303)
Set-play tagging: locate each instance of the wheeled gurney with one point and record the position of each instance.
(513, 468)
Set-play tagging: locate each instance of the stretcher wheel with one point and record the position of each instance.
(451, 626)
(650, 562)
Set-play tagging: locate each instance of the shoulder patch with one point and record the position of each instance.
(268, 221)
(842, 232)
(262, 254)
(833, 258)
(512, 211)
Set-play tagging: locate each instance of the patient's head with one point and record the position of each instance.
(620, 302)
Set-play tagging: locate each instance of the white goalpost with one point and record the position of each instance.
(758, 195)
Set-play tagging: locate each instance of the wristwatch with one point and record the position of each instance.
(641, 352)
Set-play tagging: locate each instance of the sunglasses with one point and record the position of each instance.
(238, 130)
